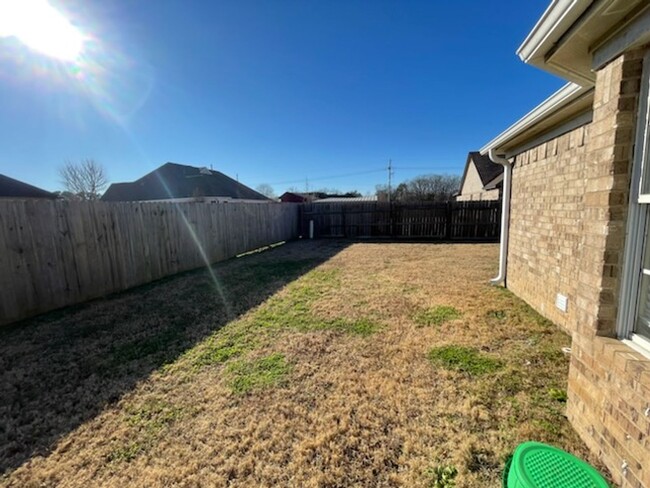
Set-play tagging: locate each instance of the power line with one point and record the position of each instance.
(428, 168)
(358, 173)
(392, 169)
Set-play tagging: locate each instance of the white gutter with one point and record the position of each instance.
(564, 96)
(554, 22)
(505, 214)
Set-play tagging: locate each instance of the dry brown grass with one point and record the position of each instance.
(145, 388)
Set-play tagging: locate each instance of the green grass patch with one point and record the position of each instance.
(153, 415)
(149, 420)
(441, 476)
(126, 453)
(557, 395)
(294, 309)
(363, 327)
(436, 315)
(464, 359)
(245, 375)
(291, 310)
(223, 345)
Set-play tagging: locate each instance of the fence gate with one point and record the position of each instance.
(444, 221)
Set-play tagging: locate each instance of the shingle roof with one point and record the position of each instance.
(173, 180)
(487, 170)
(366, 199)
(10, 188)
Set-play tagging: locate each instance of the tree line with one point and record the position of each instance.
(87, 180)
(424, 188)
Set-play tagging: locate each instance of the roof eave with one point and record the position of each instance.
(554, 22)
(561, 98)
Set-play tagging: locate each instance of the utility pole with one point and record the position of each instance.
(390, 178)
(306, 185)
(390, 200)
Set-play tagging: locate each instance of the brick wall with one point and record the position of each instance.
(546, 232)
(567, 228)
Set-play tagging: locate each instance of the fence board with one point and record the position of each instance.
(57, 253)
(478, 221)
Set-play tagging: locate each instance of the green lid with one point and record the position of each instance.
(536, 465)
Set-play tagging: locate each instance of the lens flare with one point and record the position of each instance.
(199, 247)
(40, 27)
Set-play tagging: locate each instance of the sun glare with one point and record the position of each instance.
(41, 27)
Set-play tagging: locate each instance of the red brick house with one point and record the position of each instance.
(576, 208)
(291, 197)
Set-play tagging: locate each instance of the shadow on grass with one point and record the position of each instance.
(61, 369)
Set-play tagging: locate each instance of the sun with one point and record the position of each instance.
(41, 27)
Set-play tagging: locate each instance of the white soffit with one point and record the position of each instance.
(563, 40)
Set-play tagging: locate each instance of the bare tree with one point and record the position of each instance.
(438, 188)
(266, 190)
(86, 179)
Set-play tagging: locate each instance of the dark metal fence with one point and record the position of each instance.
(443, 221)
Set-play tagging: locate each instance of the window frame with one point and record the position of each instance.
(637, 221)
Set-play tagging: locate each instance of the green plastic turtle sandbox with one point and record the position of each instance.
(537, 465)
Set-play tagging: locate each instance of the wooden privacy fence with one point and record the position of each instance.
(466, 221)
(56, 253)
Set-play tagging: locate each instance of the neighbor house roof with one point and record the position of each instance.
(10, 188)
(486, 169)
(296, 197)
(172, 181)
(495, 183)
(372, 198)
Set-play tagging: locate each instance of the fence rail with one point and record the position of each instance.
(56, 253)
(468, 221)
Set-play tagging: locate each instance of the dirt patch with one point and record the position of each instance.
(307, 365)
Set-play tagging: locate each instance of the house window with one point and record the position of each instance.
(634, 310)
(642, 322)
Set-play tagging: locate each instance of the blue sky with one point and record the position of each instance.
(271, 91)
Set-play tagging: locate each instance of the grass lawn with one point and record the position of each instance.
(312, 364)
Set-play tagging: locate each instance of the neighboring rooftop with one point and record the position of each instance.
(487, 170)
(372, 198)
(296, 197)
(173, 181)
(10, 188)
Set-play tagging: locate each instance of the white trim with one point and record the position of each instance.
(561, 98)
(642, 142)
(554, 22)
(639, 344)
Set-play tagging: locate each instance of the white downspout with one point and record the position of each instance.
(505, 214)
